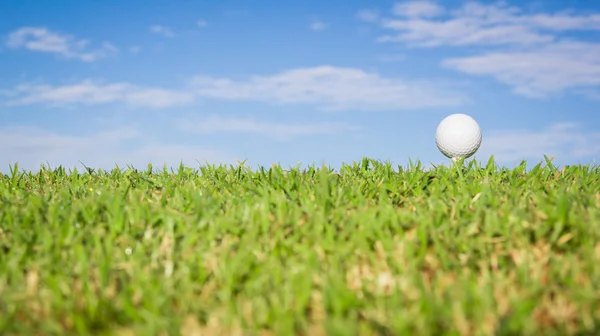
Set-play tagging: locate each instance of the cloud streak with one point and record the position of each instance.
(326, 87)
(368, 15)
(566, 141)
(89, 92)
(332, 88)
(40, 39)
(424, 23)
(318, 25)
(162, 30)
(418, 9)
(538, 73)
(32, 146)
(526, 51)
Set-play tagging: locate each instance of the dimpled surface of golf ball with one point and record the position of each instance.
(458, 136)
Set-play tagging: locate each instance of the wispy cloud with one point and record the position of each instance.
(40, 39)
(566, 141)
(427, 24)
(528, 51)
(89, 92)
(368, 15)
(540, 72)
(30, 147)
(135, 49)
(279, 131)
(318, 25)
(418, 9)
(332, 88)
(162, 30)
(201, 23)
(327, 87)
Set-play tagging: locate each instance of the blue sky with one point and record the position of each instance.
(133, 82)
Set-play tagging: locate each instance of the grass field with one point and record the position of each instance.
(370, 249)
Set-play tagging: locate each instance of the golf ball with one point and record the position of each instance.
(458, 136)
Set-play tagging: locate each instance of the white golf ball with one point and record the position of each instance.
(458, 136)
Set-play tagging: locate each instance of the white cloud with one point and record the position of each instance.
(318, 25)
(41, 39)
(201, 23)
(31, 147)
(279, 131)
(565, 141)
(135, 49)
(162, 30)
(368, 15)
(332, 88)
(539, 72)
(563, 21)
(417, 9)
(89, 92)
(422, 24)
(529, 51)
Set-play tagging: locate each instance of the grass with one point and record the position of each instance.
(369, 249)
